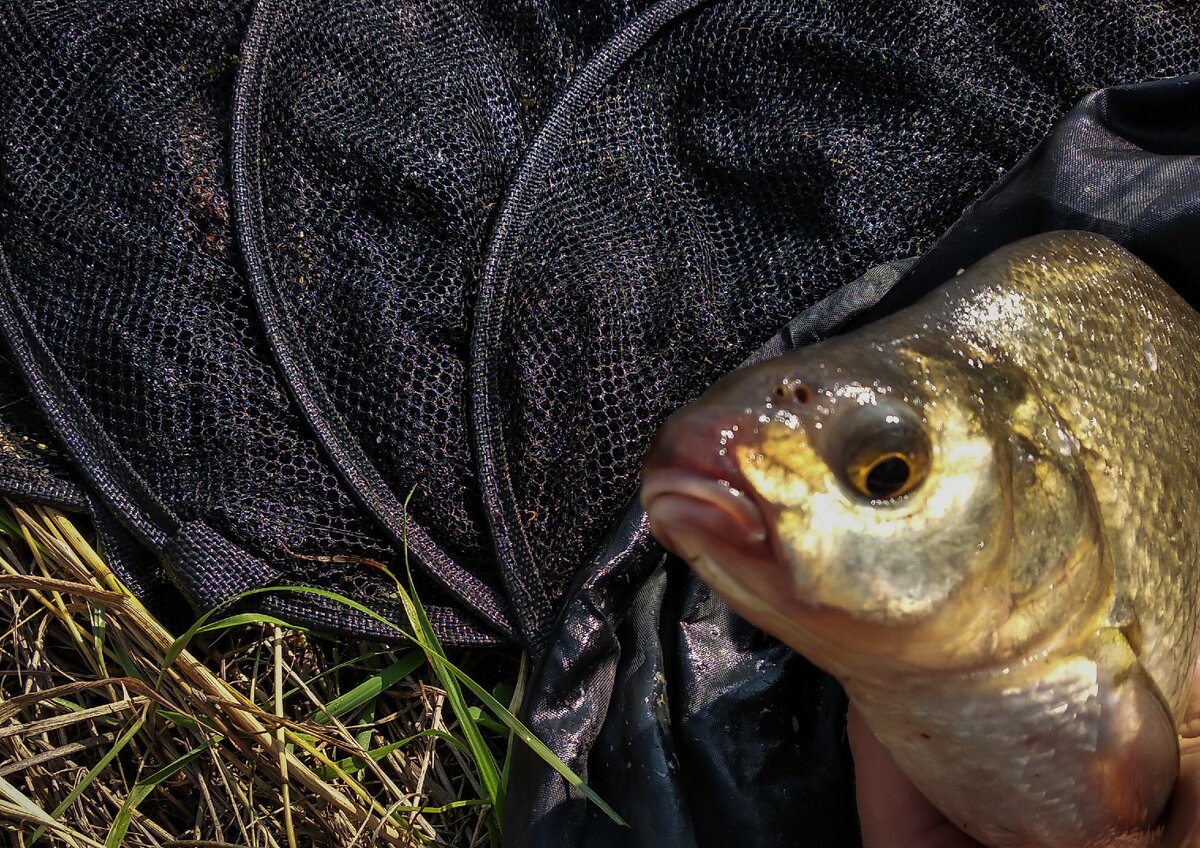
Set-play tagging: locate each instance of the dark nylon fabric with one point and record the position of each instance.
(267, 268)
(372, 168)
(34, 465)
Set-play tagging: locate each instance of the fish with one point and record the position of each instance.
(980, 514)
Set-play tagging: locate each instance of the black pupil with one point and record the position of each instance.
(887, 477)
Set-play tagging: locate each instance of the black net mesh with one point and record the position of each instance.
(271, 269)
(749, 160)
(33, 464)
(122, 256)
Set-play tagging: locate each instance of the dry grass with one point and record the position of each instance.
(255, 735)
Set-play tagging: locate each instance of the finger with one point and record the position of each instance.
(892, 813)
(1182, 818)
(1183, 814)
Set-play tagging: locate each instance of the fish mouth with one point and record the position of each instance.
(692, 490)
(690, 508)
(701, 508)
(699, 504)
(723, 533)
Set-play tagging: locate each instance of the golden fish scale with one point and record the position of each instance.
(1114, 350)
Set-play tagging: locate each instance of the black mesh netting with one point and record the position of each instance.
(270, 272)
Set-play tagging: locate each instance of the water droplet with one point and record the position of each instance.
(1149, 354)
(1068, 445)
(787, 419)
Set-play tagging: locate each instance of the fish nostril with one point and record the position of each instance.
(792, 392)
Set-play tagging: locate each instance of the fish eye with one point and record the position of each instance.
(886, 477)
(886, 456)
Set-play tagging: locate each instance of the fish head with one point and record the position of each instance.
(861, 500)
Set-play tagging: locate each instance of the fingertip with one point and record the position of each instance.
(1182, 818)
(892, 811)
(885, 794)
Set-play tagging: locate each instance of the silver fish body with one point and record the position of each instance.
(980, 515)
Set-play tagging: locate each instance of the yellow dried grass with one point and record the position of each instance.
(233, 743)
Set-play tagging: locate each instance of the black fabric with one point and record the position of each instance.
(284, 286)
(127, 305)
(33, 465)
(699, 728)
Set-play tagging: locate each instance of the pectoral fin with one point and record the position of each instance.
(1137, 743)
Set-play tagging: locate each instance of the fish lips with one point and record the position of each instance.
(701, 515)
(702, 508)
(697, 499)
(682, 502)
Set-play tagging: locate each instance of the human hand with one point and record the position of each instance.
(893, 814)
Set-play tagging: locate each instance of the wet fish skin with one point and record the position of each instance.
(1013, 610)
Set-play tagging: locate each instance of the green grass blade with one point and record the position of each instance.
(485, 761)
(481, 754)
(180, 644)
(355, 762)
(480, 716)
(92, 774)
(370, 688)
(182, 641)
(9, 527)
(124, 660)
(446, 671)
(244, 618)
(142, 790)
(523, 733)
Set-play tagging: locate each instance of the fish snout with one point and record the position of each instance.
(692, 489)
